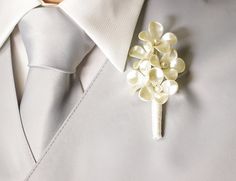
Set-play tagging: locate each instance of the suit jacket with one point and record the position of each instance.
(107, 135)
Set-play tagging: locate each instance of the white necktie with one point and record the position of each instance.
(55, 47)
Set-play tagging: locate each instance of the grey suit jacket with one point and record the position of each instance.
(107, 135)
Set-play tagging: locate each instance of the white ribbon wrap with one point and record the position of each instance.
(156, 120)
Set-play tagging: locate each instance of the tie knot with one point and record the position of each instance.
(53, 40)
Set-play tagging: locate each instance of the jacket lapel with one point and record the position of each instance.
(15, 155)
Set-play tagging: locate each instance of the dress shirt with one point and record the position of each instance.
(104, 31)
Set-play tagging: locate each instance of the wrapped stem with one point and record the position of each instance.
(156, 120)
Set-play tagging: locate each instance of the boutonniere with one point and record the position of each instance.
(155, 72)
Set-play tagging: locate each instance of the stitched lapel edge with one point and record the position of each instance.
(18, 108)
(11, 89)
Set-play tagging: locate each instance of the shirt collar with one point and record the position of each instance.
(109, 23)
(11, 12)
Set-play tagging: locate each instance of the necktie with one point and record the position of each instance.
(55, 46)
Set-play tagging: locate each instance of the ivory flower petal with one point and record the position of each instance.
(171, 61)
(134, 77)
(178, 64)
(156, 76)
(154, 60)
(168, 57)
(145, 36)
(158, 88)
(156, 30)
(137, 52)
(145, 93)
(169, 37)
(136, 64)
(161, 98)
(145, 67)
(173, 54)
(165, 61)
(148, 47)
(170, 87)
(170, 74)
(164, 47)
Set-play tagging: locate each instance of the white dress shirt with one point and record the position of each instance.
(104, 31)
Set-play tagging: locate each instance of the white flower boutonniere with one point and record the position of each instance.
(156, 70)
